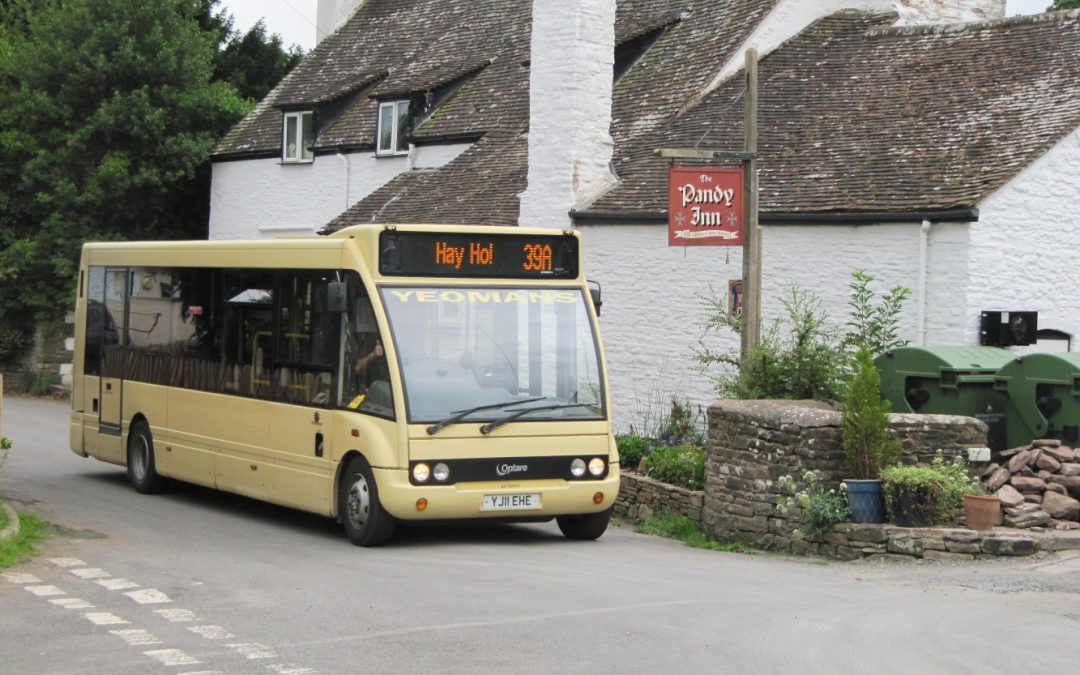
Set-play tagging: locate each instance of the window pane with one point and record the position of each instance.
(308, 137)
(249, 324)
(365, 376)
(100, 324)
(386, 127)
(113, 350)
(290, 137)
(150, 314)
(402, 126)
(198, 362)
(307, 342)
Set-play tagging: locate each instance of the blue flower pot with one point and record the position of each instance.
(864, 498)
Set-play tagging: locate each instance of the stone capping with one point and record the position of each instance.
(641, 497)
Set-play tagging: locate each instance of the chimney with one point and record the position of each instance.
(918, 12)
(571, 57)
(331, 14)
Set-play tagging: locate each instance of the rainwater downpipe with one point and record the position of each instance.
(348, 167)
(920, 317)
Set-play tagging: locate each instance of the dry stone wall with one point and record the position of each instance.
(753, 443)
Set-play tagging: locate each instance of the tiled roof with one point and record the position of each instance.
(698, 39)
(404, 46)
(481, 186)
(855, 116)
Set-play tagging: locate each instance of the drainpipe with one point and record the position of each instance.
(920, 318)
(345, 160)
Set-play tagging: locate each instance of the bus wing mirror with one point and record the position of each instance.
(594, 293)
(335, 296)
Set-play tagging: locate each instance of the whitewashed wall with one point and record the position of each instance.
(264, 198)
(652, 315)
(1026, 245)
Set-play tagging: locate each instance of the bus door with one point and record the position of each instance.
(112, 351)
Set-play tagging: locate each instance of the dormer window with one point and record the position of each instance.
(298, 137)
(393, 128)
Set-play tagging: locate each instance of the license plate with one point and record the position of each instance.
(511, 502)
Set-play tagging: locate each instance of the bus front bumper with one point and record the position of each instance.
(494, 499)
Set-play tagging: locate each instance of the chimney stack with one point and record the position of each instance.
(570, 82)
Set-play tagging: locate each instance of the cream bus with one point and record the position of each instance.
(381, 374)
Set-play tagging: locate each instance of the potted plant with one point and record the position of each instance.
(912, 494)
(867, 445)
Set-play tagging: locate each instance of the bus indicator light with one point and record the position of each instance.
(598, 498)
(421, 504)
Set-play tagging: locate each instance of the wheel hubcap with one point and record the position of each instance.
(141, 458)
(359, 502)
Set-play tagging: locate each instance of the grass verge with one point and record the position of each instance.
(32, 531)
(684, 529)
(4, 519)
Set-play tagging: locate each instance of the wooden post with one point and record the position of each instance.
(751, 274)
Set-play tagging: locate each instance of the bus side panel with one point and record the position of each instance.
(151, 402)
(233, 429)
(299, 471)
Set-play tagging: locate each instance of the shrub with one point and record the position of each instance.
(937, 491)
(631, 449)
(5, 445)
(682, 425)
(682, 465)
(38, 382)
(874, 327)
(818, 509)
(865, 415)
(13, 342)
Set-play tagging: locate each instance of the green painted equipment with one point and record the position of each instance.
(1043, 392)
(948, 381)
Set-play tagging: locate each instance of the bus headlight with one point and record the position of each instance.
(577, 468)
(441, 472)
(420, 472)
(596, 466)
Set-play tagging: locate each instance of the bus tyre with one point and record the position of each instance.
(141, 470)
(586, 526)
(365, 521)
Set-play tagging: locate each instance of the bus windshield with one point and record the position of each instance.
(498, 349)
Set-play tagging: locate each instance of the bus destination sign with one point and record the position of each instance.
(513, 256)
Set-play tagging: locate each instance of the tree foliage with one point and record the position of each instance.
(1064, 4)
(108, 112)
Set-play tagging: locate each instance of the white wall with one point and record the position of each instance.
(652, 315)
(257, 198)
(1027, 242)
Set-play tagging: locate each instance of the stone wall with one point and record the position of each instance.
(752, 443)
(641, 497)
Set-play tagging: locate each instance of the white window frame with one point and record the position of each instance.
(395, 132)
(299, 156)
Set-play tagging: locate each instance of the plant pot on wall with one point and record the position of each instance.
(982, 512)
(864, 498)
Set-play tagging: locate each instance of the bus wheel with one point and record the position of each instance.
(366, 523)
(585, 526)
(140, 460)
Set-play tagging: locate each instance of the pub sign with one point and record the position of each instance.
(705, 206)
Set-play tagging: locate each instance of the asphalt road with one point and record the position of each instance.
(195, 581)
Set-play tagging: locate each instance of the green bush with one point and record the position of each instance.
(38, 382)
(865, 416)
(937, 490)
(682, 465)
(13, 342)
(818, 509)
(631, 449)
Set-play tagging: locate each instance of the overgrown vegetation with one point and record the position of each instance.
(682, 465)
(38, 381)
(815, 507)
(684, 529)
(802, 354)
(932, 493)
(109, 110)
(24, 546)
(676, 455)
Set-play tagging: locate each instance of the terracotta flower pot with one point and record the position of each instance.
(982, 512)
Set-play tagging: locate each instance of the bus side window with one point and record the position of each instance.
(306, 339)
(249, 329)
(364, 374)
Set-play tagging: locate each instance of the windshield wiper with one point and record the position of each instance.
(438, 426)
(492, 426)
